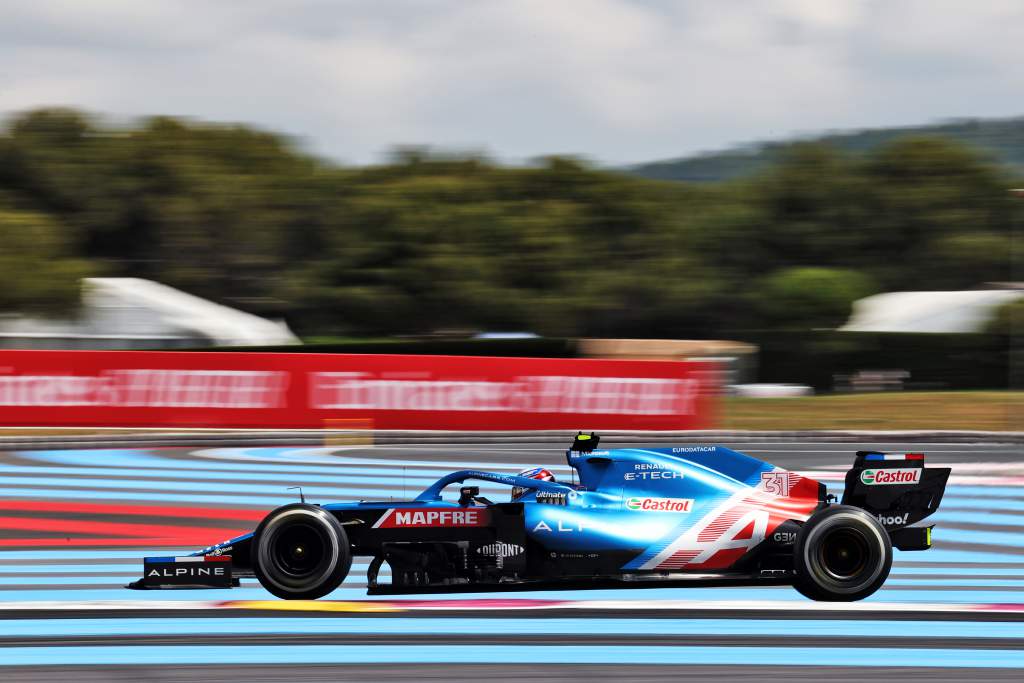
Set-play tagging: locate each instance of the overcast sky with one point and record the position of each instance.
(613, 80)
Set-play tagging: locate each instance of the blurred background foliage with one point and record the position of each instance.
(430, 241)
(1002, 139)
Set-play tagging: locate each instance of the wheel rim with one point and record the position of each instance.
(298, 550)
(844, 553)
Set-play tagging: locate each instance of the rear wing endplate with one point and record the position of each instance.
(895, 487)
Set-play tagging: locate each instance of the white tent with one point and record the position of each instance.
(126, 312)
(937, 312)
(128, 305)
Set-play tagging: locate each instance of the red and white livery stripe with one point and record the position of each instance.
(742, 521)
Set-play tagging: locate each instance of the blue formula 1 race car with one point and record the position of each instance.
(699, 515)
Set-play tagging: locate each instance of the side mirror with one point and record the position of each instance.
(467, 494)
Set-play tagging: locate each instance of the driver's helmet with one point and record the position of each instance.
(532, 473)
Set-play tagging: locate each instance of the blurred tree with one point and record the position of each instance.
(806, 298)
(46, 160)
(923, 192)
(1008, 320)
(812, 211)
(36, 274)
(428, 241)
(967, 260)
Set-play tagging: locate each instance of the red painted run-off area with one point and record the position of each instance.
(104, 524)
(313, 391)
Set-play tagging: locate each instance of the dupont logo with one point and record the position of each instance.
(397, 518)
(660, 504)
(873, 477)
(500, 549)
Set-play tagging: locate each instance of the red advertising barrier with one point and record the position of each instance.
(309, 390)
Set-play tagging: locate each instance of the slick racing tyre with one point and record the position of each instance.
(301, 552)
(842, 554)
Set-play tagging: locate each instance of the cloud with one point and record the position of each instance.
(610, 79)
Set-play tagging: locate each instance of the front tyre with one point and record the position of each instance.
(842, 554)
(301, 552)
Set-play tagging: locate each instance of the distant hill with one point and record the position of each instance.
(1003, 139)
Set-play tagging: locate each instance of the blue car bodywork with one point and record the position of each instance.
(637, 516)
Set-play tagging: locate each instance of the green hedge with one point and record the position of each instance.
(935, 361)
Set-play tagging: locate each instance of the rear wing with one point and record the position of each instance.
(895, 487)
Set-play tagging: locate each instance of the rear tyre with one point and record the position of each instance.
(842, 554)
(301, 552)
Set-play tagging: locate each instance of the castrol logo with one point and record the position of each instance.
(660, 504)
(873, 477)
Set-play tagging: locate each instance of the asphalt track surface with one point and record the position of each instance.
(75, 523)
